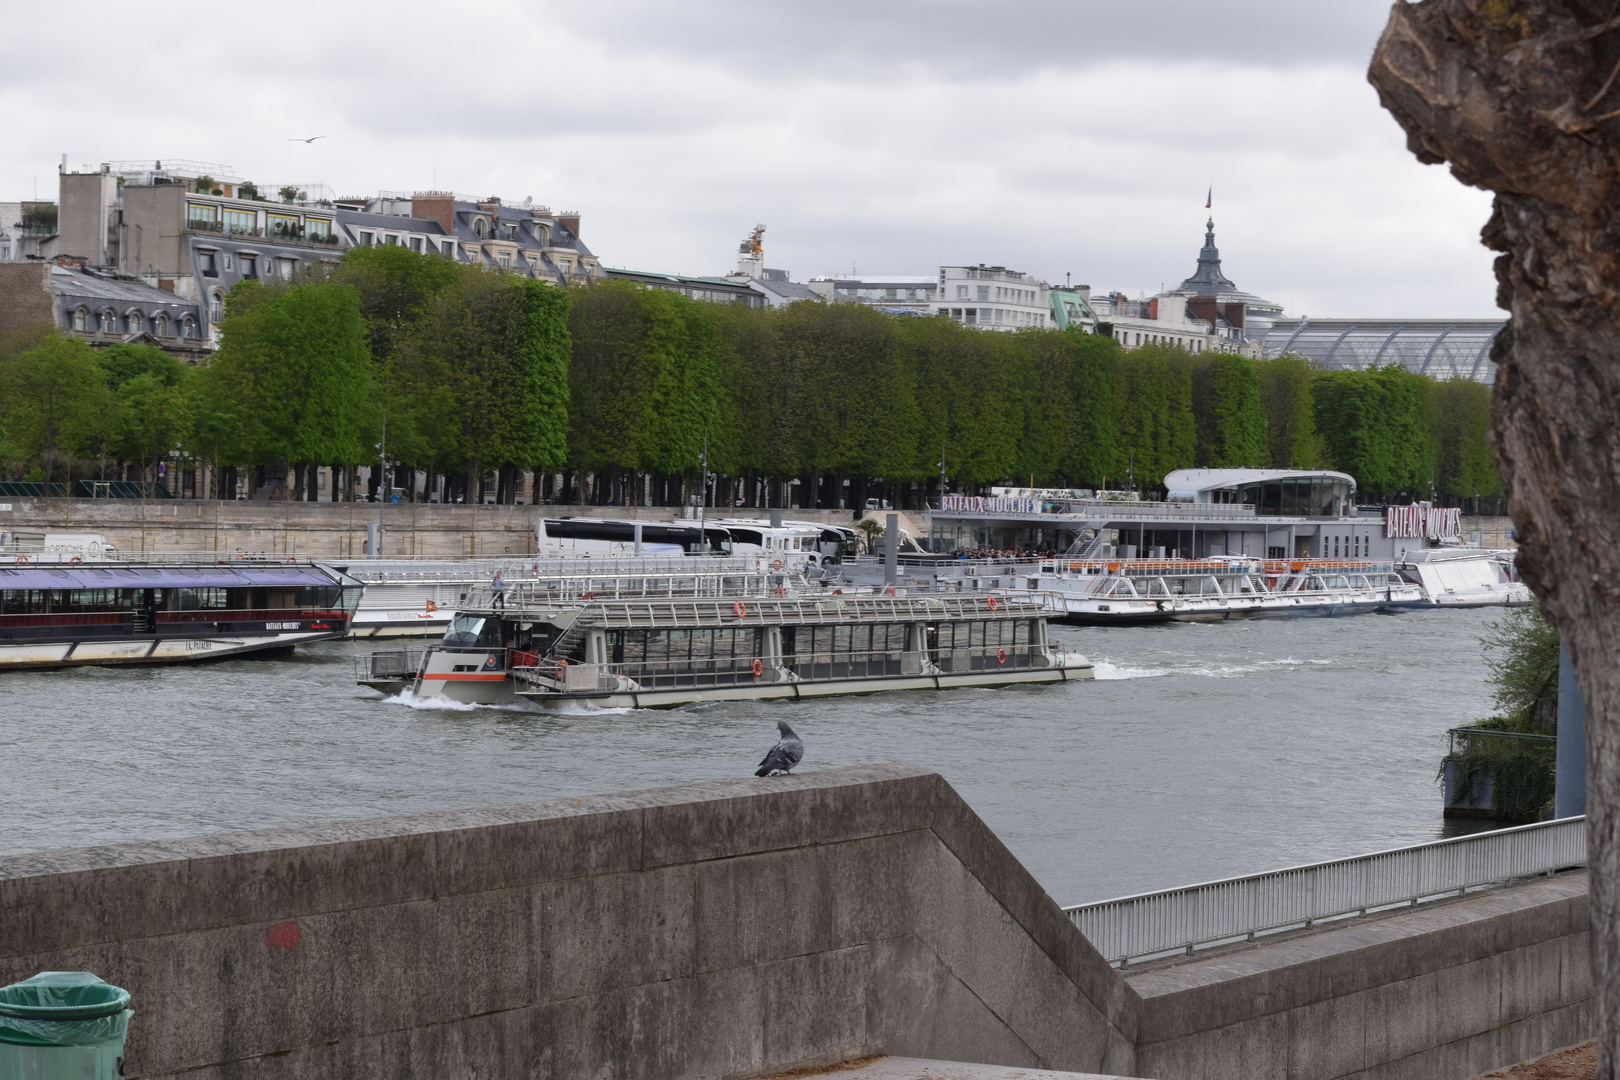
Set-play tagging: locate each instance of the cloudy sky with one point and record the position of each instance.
(1052, 136)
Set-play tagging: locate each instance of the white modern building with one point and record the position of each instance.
(992, 298)
(1162, 320)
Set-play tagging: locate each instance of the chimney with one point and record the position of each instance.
(437, 206)
(490, 206)
(569, 219)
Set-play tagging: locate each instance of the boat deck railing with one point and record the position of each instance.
(516, 568)
(752, 610)
(1241, 908)
(386, 664)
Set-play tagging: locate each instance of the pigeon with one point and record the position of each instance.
(310, 140)
(784, 755)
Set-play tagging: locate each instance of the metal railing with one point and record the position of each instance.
(780, 611)
(1235, 909)
(400, 663)
(1500, 743)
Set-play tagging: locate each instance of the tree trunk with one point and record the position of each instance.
(1521, 99)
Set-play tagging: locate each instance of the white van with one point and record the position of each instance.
(54, 547)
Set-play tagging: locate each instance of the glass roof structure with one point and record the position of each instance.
(1438, 348)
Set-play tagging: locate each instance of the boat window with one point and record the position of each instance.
(471, 630)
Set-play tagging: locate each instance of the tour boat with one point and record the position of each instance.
(76, 613)
(1465, 577)
(656, 652)
(1124, 592)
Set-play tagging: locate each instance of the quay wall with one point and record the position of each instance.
(324, 530)
(735, 929)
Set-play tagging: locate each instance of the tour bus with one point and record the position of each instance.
(609, 536)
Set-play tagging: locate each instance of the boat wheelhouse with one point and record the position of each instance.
(77, 614)
(659, 653)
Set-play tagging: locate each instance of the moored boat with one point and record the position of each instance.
(79, 614)
(1465, 577)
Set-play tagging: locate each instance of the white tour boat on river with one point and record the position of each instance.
(746, 642)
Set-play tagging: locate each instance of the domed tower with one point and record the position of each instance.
(1235, 315)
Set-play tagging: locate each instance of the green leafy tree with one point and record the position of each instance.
(53, 398)
(483, 374)
(1521, 651)
(1285, 395)
(1467, 460)
(1229, 414)
(294, 372)
(1157, 426)
(1377, 425)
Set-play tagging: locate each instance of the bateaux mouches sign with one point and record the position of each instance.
(1423, 522)
(980, 504)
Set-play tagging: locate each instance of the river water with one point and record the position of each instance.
(1201, 751)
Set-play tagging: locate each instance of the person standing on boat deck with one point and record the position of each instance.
(498, 587)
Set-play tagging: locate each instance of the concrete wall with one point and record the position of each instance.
(731, 929)
(321, 530)
(1447, 990)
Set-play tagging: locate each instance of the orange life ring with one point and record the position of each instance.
(992, 603)
(22, 560)
(1001, 656)
(776, 564)
(75, 560)
(739, 609)
(431, 606)
(759, 667)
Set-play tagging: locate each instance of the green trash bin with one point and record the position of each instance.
(62, 1025)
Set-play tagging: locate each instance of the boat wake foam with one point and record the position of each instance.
(443, 704)
(1105, 670)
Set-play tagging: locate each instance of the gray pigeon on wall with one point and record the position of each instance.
(787, 752)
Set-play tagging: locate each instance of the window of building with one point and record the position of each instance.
(160, 324)
(416, 244)
(972, 316)
(135, 322)
(242, 222)
(505, 259)
(109, 322)
(984, 293)
(188, 327)
(202, 216)
(216, 306)
(998, 314)
(227, 262)
(283, 225)
(317, 228)
(80, 319)
(447, 247)
(366, 238)
(205, 263)
(250, 266)
(478, 227)
(285, 267)
(961, 292)
(891, 294)
(392, 240)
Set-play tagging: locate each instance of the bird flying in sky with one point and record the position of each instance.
(787, 752)
(308, 140)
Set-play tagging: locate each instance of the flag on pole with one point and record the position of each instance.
(1210, 201)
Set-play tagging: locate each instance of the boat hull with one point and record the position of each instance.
(502, 690)
(145, 651)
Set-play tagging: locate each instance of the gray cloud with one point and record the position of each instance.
(1049, 136)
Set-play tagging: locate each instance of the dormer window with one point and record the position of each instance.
(160, 325)
(206, 264)
(135, 322)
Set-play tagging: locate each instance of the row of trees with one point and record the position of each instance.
(618, 388)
